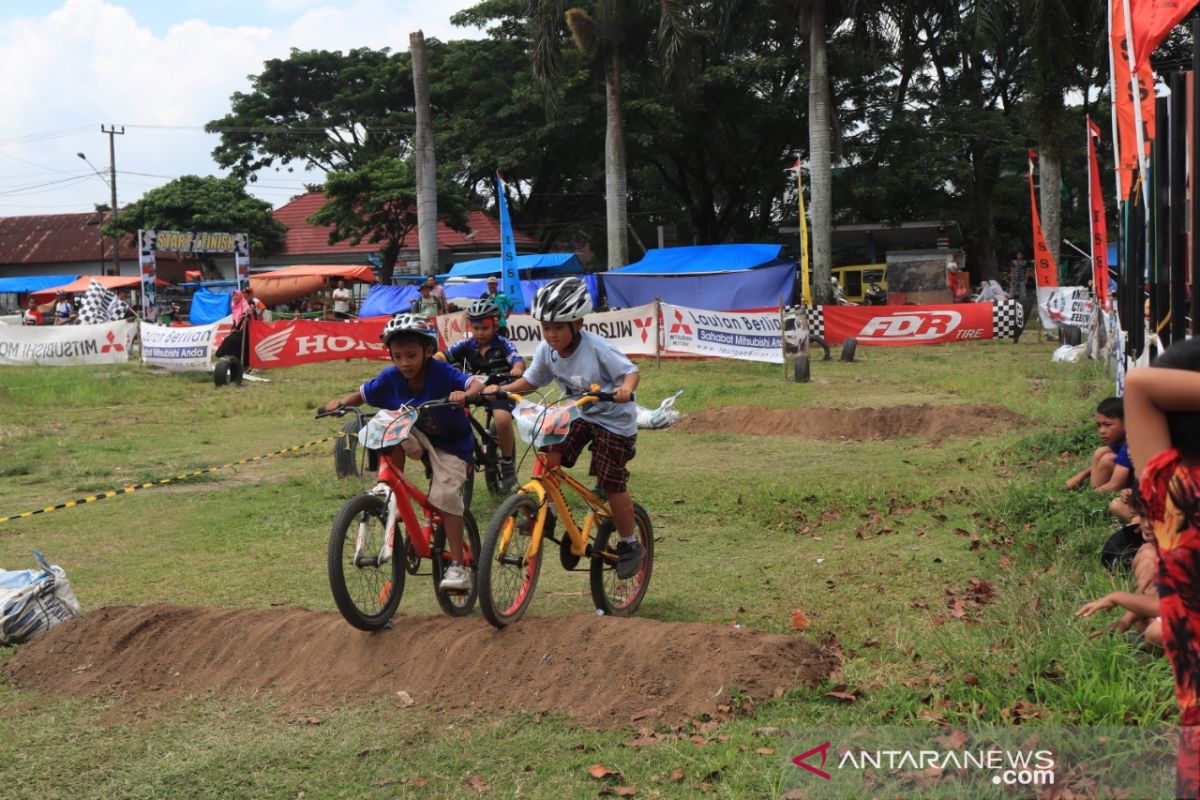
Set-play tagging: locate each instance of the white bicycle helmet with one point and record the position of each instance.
(563, 300)
(482, 308)
(409, 323)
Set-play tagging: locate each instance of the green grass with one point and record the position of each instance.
(868, 538)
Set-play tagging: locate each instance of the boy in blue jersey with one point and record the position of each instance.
(444, 433)
(488, 353)
(577, 359)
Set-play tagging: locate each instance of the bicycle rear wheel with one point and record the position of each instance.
(456, 603)
(506, 579)
(367, 593)
(612, 595)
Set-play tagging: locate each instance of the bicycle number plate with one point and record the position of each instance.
(388, 428)
(544, 425)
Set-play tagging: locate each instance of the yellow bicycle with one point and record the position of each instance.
(511, 557)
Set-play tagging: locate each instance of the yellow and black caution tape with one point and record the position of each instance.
(177, 479)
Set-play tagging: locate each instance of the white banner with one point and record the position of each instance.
(633, 330)
(1065, 305)
(179, 348)
(66, 345)
(747, 335)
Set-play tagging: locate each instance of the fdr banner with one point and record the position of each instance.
(178, 349)
(901, 325)
(66, 345)
(746, 335)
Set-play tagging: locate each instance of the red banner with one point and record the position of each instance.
(286, 344)
(1098, 222)
(901, 325)
(1152, 21)
(1044, 269)
(1123, 91)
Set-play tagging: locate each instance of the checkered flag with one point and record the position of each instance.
(1008, 319)
(100, 305)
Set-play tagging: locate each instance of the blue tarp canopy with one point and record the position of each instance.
(719, 277)
(389, 300)
(703, 258)
(209, 306)
(34, 283)
(542, 264)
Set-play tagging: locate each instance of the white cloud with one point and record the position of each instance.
(91, 62)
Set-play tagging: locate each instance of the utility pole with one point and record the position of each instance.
(424, 159)
(112, 131)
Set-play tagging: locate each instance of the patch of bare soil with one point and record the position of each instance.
(893, 422)
(604, 672)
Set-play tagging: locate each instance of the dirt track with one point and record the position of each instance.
(602, 671)
(894, 422)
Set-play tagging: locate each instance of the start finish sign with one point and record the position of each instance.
(201, 242)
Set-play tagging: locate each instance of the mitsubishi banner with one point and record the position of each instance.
(745, 335)
(179, 349)
(66, 345)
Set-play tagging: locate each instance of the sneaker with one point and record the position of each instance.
(508, 476)
(456, 578)
(629, 559)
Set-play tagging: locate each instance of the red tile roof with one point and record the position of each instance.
(303, 239)
(56, 239)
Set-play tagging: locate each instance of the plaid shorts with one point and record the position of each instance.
(610, 452)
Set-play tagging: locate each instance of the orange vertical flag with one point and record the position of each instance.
(1123, 94)
(1044, 268)
(1099, 224)
(1152, 21)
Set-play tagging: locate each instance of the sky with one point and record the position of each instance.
(160, 69)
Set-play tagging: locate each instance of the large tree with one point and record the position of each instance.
(193, 203)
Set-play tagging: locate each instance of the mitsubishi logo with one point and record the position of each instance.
(644, 326)
(113, 344)
(679, 324)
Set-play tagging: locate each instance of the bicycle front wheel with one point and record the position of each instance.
(506, 578)
(453, 602)
(613, 595)
(365, 591)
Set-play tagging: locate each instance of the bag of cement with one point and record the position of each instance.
(34, 601)
(664, 416)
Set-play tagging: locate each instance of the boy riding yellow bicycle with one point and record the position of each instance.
(578, 359)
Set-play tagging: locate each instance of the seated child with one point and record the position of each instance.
(1141, 606)
(576, 359)
(444, 433)
(1110, 469)
(488, 353)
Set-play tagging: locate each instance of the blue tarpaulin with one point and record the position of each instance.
(703, 258)
(723, 277)
(387, 300)
(542, 265)
(34, 283)
(209, 306)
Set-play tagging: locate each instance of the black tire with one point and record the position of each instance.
(1071, 335)
(221, 372)
(457, 604)
(801, 369)
(491, 462)
(819, 342)
(345, 450)
(367, 595)
(235, 371)
(612, 595)
(848, 348)
(506, 580)
(468, 489)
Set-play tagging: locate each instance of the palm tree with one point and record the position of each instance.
(609, 31)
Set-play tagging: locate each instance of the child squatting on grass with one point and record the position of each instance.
(1110, 469)
(444, 433)
(577, 359)
(1162, 411)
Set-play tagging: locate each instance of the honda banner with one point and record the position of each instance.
(287, 344)
(745, 335)
(179, 349)
(898, 325)
(66, 345)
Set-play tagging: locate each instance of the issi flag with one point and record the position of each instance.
(1099, 225)
(1123, 91)
(1151, 21)
(1044, 268)
(510, 280)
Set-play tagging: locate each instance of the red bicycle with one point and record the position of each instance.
(370, 553)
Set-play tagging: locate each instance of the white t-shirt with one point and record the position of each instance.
(595, 360)
(341, 301)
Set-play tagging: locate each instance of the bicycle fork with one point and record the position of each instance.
(385, 550)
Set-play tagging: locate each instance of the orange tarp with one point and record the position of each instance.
(351, 272)
(81, 284)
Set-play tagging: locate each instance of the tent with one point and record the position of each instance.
(387, 300)
(81, 284)
(543, 265)
(289, 283)
(34, 283)
(718, 277)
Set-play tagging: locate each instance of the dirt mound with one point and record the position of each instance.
(893, 422)
(602, 671)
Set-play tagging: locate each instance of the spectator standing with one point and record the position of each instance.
(341, 300)
(426, 304)
(502, 301)
(437, 292)
(32, 315)
(64, 309)
(1018, 277)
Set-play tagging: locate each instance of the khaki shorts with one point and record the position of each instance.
(449, 475)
